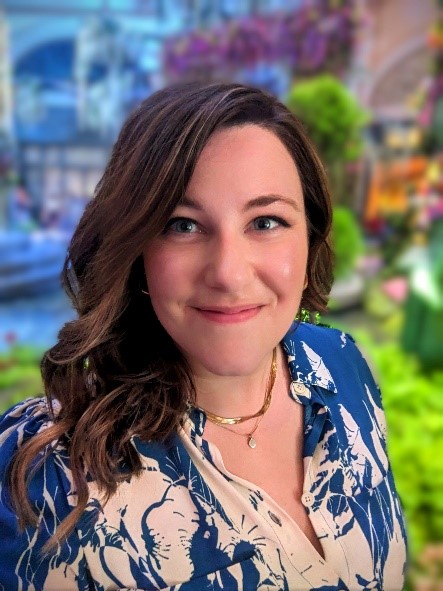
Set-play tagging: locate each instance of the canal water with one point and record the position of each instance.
(34, 321)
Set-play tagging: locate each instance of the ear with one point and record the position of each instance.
(306, 283)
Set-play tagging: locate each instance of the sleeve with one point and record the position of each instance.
(23, 565)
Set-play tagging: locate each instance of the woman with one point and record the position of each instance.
(193, 436)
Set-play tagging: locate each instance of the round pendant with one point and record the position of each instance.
(251, 442)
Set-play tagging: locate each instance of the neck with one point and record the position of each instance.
(234, 396)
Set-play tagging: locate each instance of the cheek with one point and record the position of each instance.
(166, 274)
(289, 266)
(287, 270)
(157, 274)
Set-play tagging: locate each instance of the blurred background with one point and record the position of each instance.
(366, 78)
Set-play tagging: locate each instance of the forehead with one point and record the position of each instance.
(250, 137)
(246, 160)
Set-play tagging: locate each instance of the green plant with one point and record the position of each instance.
(396, 241)
(19, 375)
(334, 120)
(347, 241)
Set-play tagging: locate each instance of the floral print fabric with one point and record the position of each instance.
(188, 524)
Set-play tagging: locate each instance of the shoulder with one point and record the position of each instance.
(21, 422)
(24, 419)
(51, 474)
(24, 563)
(329, 358)
(320, 336)
(322, 355)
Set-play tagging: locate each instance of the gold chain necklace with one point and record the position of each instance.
(223, 421)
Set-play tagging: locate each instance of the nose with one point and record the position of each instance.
(229, 263)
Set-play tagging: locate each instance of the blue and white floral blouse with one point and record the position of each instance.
(188, 524)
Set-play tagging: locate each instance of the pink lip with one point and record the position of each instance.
(227, 315)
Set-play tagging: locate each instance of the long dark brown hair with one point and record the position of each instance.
(114, 371)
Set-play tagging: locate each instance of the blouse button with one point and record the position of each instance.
(299, 388)
(275, 518)
(307, 499)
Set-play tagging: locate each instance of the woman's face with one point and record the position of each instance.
(227, 274)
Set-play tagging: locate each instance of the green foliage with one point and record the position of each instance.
(332, 116)
(347, 241)
(396, 241)
(379, 305)
(19, 375)
(413, 401)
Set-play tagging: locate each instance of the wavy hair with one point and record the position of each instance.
(115, 372)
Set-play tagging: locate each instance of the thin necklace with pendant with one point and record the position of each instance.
(224, 421)
(252, 442)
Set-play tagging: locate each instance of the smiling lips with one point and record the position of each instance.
(223, 315)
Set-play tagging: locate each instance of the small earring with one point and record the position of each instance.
(145, 292)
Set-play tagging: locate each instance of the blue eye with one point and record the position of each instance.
(268, 223)
(181, 226)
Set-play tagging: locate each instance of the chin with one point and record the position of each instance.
(234, 362)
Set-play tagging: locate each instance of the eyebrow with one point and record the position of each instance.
(260, 201)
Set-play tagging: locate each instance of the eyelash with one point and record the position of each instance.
(278, 220)
(172, 221)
